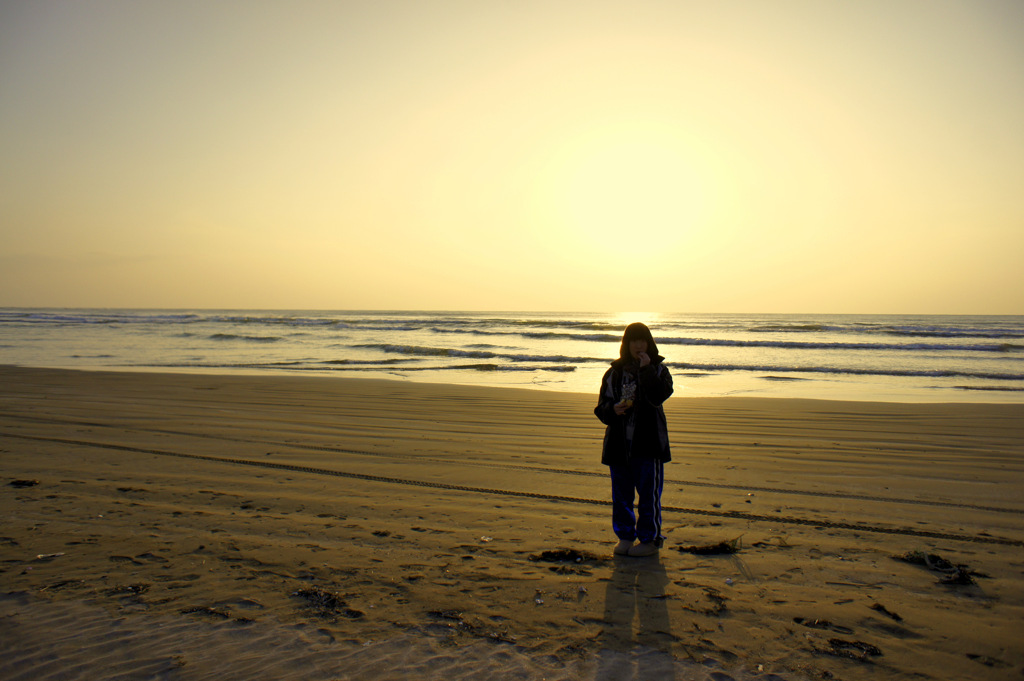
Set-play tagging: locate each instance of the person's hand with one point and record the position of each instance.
(644, 358)
(621, 408)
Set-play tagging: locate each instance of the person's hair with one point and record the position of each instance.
(637, 331)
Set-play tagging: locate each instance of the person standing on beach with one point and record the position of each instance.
(636, 439)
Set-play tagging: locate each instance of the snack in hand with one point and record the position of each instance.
(628, 392)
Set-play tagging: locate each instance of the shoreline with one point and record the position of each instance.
(204, 503)
(895, 358)
(681, 380)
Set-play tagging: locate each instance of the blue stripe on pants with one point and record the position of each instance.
(645, 478)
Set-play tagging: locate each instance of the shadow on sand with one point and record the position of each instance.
(637, 638)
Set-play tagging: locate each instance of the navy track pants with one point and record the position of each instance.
(645, 477)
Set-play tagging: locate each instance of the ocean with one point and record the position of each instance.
(844, 357)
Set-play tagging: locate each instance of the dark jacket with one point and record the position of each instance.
(650, 430)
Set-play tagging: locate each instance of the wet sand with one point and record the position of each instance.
(217, 527)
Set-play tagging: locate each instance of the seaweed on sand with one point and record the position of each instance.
(565, 556)
(327, 604)
(21, 484)
(854, 650)
(957, 575)
(720, 549)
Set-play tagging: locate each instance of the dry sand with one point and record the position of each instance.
(210, 527)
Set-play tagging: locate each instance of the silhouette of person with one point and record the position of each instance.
(636, 444)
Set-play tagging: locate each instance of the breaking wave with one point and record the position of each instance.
(473, 354)
(251, 339)
(925, 373)
(990, 388)
(840, 345)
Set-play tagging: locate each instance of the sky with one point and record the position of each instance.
(676, 156)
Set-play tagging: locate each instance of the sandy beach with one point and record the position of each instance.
(173, 526)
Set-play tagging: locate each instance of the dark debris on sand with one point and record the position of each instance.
(128, 590)
(327, 604)
(719, 549)
(822, 624)
(854, 650)
(566, 556)
(21, 484)
(955, 575)
(885, 611)
(456, 621)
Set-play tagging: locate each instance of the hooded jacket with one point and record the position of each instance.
(646, 418)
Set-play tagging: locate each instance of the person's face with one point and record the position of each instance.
(636, 347)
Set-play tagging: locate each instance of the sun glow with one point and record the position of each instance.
(627, 318)
(680, 155)
(633, 188)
